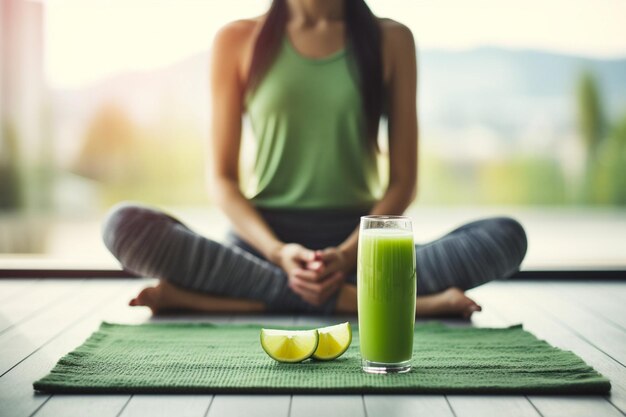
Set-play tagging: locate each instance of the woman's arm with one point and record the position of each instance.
(227, 90)
(400, 62)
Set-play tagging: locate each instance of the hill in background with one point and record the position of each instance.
(478, 108)
(500, 88)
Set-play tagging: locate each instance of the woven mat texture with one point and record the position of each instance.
(206, 358)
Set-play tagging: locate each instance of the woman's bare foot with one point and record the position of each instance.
(165, 296)
(450, 302)
(155, 298)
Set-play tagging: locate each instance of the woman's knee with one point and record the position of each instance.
(123, 222)
(515, 235)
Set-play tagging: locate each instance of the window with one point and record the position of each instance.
(522, 111)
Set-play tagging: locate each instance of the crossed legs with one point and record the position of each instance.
(199, 274)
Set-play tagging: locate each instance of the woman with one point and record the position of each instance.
(314, 77)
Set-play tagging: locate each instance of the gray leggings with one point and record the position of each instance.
(153, 244)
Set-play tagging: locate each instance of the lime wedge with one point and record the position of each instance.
(289, 345)
(334, 341)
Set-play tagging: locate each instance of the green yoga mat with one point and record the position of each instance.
(205, 358)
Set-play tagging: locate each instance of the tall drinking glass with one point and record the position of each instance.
(386, 286)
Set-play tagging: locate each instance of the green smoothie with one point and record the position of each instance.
(386, 285)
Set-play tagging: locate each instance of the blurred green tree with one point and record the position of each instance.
(591, 124)
(10, 185)
(610, 175)
(590, 118)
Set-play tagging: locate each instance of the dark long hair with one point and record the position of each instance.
(363, 42)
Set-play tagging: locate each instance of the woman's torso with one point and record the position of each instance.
(307, 117)
(326, 226)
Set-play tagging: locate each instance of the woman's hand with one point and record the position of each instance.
(307, 273)
(322, 277)
(333, 260)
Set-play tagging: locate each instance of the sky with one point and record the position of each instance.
(87, 40)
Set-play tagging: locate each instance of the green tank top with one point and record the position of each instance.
(307, 117)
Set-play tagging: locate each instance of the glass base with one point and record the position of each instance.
(385, 368)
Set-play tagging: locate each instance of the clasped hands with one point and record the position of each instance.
(313, 275)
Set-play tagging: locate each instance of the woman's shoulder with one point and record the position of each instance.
(394, 32)
(397, 45)
(234, 42)
(238, 32)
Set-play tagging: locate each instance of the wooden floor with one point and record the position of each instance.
(40, 320)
